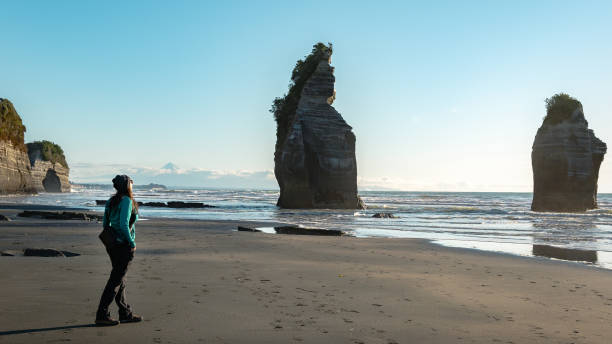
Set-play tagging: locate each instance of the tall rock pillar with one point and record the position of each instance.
(565, 159)
(315, 163)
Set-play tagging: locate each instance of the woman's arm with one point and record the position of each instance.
(106, 221)
(124, 220)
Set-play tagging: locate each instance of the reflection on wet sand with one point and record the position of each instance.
(565, 253)
(565, 233)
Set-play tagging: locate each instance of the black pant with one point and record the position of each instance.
(121, 256)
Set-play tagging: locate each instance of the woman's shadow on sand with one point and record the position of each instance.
(45, 329)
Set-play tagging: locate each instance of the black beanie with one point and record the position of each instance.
(120, 182)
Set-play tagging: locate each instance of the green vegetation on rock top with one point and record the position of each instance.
(560, 108)
(49, 151)
(11, 127)
(284, 107)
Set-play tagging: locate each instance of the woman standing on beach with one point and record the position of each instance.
(120, 213)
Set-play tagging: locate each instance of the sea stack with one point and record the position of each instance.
(314, 160)
(15, 176)
(50, 172)
(565, 159)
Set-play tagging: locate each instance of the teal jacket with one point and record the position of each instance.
(119, 218)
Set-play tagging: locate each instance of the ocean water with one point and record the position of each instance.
(500, 222)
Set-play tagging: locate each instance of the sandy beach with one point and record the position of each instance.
(201, 281)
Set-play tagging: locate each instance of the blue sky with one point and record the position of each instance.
(441, 95)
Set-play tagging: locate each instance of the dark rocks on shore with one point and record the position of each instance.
(172, 204)
(4, 218)
(188, 205)
(565, 158)
(152, 204)
(247, 229)
(64, 215)
(47, 252)
(385, 216)
(307, 231)
(42, 252)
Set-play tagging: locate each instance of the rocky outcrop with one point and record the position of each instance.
(315, 163)
(48, 175)
(565, 159)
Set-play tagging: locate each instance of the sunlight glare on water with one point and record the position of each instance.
(491, 220)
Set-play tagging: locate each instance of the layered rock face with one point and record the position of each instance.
(565, 159)
(14, 164)
(47, 176)
(14, 170)
(315, 166)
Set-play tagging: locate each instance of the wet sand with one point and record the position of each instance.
(200, 281)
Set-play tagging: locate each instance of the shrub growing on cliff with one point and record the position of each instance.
(560, 107)
(49, 151)
(284, 107)
(11, 127)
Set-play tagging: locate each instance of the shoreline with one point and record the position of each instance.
(202, 280)
(472, 245)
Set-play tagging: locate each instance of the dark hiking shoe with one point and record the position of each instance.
(108, 321)
(130, 319)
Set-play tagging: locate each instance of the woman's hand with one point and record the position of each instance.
(132, 249)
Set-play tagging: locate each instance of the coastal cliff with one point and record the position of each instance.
(14, 163)
(37, 166)
(50, 172)
(565, 157)
(315, 163)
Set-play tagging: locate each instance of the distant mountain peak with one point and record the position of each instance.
(170, 166)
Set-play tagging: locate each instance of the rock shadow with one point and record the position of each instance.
(565, 253)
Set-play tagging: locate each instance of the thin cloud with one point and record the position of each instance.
(173, 175)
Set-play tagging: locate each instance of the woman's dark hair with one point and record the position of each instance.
(120, 183)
